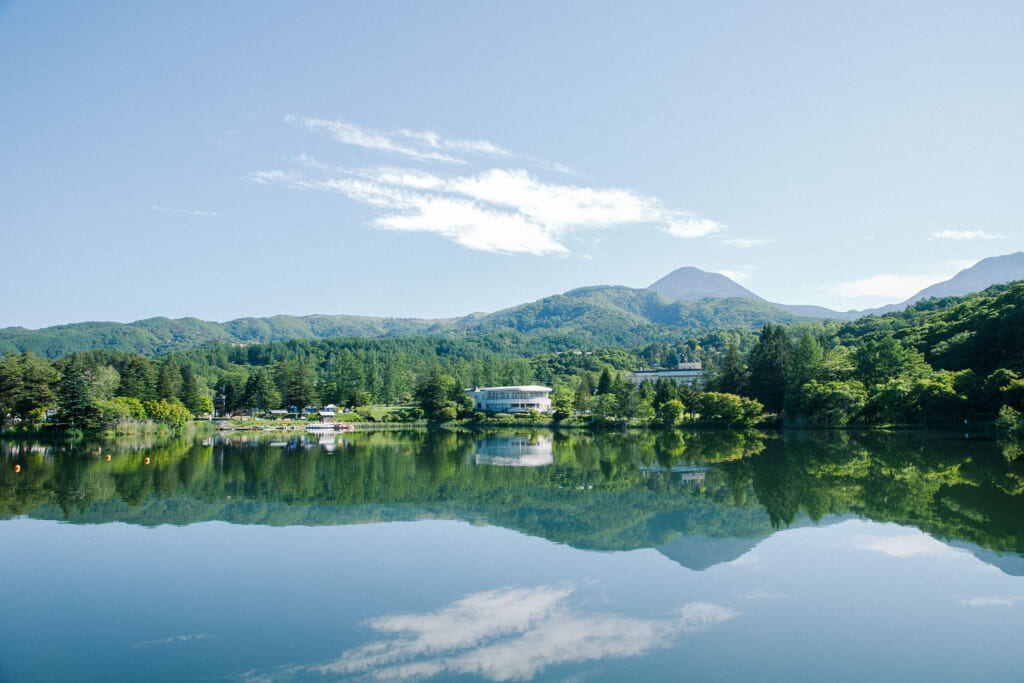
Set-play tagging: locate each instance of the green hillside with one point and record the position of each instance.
(631, 317)
(158, 336)
(603, 316)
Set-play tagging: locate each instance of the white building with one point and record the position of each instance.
(686, 372)
(518, 399)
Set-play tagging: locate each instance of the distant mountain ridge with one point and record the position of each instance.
(688, 283)
(590, 316)
(993, 270)
(688, 301)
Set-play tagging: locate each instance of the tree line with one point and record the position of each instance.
(940, 361)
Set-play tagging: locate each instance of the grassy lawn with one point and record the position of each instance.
(379, 411)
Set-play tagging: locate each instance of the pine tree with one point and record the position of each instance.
(732, 375)
(769, 368)
(76, 401)
(167, 381)
(191, 396)
(584, 393)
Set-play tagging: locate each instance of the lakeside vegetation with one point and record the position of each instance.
(941, 361)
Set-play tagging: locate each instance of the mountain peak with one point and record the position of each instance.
(689, 284)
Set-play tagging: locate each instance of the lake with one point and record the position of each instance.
(528, 556)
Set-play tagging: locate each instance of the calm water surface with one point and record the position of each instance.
(535, 556)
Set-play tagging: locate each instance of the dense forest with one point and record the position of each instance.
(939, 361)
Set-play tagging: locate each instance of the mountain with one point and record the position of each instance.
(692, 284)
(614, 315)
(985, 273)
(591, 316)
(157, 336)
(689, 284)
(686, 302)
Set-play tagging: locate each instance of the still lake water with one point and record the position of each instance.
(535, 556)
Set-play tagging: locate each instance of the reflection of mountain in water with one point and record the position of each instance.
(700, 552)
(700, 498)
(1009, 563)
(515, 451)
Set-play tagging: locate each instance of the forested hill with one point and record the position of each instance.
(623, 316)
(158, 336)
(592, 316)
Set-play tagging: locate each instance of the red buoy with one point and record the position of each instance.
(108, 458)
(147, 461)
(17, 468)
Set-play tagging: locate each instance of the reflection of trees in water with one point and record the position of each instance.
(602, 490)
(953, 488)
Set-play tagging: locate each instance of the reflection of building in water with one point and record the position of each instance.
(515, 451)
(517, 399)
(683, 473)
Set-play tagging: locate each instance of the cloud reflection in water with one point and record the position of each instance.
(510, 633)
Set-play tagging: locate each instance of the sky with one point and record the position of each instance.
(434, 159)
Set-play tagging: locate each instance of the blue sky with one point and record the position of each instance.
(428, 159)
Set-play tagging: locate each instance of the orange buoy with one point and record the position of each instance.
(108, 458)
(147, 461)
(17, 468)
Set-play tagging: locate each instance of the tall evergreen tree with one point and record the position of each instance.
(584, 393)
(191, 395)
(432, 392)
(168, 381)
(138, 379)
(769, 368)
(731, 377)
(260, 392)
(76, 402)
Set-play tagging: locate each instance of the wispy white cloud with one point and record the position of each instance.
(761, 594)
(186, 212)
(498, 210)
(506, 210)
(965, 235)
(171, 639)
(420, 145)
(739, 275)
(961, 264)
(506, 634)
(990, 601)
(907, 546)
(691, 226)
(888, 285)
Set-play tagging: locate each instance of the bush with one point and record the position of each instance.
(171, 413)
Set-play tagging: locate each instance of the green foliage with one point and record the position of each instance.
(670, 412)
(731, 377)
(26, 386)
(727, 409)
(78, 409)
(831, 404)
(435, 394)
(770, 363)
(171, 413)
(260, 393)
